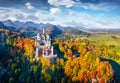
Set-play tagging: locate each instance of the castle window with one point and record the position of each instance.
(49, 52)
(42, 43)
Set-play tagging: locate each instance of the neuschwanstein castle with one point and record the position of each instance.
(43, 46)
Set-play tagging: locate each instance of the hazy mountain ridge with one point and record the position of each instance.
(2, 26)
(34, 27)
(30, 26)
(19, 24)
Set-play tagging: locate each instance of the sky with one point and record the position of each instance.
(82, 13)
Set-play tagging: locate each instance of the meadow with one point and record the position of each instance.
(111, 40)
(103, 39)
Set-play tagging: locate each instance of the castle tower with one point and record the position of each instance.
(36, 53)
(43, 31)
(43, 46)
(38, 36)
(52, 50)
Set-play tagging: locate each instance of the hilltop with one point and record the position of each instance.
(31, 29)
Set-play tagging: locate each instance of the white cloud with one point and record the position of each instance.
(48, 19)
(32, 17)
(37, 17)
(85, 7)
(67, 3)
(72, 18)
(87, 20)
(29, 6)
(14, 15)
(101, 6)
(96, 7)
(78, 3)
(91, 24)
(55, 11)
(71, 13)
(38, 14)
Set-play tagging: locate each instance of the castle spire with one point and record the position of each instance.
(38, 36)
(43, 30)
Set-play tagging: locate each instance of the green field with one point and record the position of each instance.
(104, 39)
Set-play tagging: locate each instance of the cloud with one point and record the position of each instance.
(32, 17)
(85, 7)
(29, 6)
(92, 24)
(20, 16)
(71, 13)
(14, 15)
(86, 20)
(55, 11)
(56, 15)
(79, 3)
(66, 3)
(73, 23)
(48, 19)
(97, 7)
(37, 17)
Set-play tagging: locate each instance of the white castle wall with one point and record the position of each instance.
(47, 41)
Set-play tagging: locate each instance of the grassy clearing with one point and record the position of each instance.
(103, 39)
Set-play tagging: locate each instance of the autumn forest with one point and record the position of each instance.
(79, 61)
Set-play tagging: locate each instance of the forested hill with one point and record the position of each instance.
(31, 29)
(2, 26)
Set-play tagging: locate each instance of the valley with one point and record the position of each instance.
(81, 56)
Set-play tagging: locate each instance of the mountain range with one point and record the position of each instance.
(19, 24)
(35, 27)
